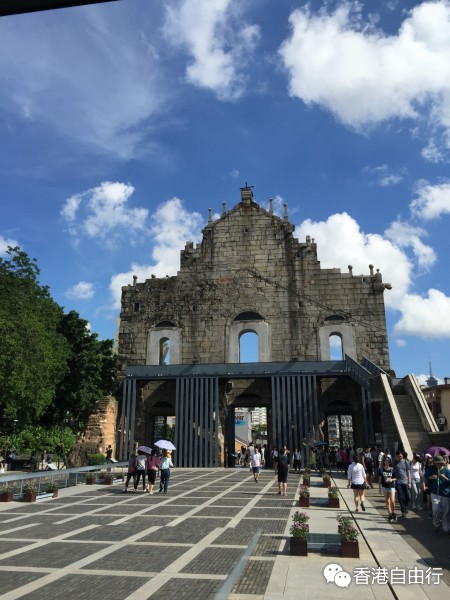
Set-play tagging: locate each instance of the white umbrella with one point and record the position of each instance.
(165, 444)
(144, 449)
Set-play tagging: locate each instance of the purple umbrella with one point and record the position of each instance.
(436, 450)
(165, 444)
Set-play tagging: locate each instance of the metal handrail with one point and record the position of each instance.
(67, 477)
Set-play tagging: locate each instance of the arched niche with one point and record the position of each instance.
(156, 338)
(347, 335)
(240, 326)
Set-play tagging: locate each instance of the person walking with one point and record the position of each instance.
(387, 486)
(152, 470)
(444, 492)
(131, 472)
(141, 466)
(165, 466)
(283, 471)
(297, 460)
(402, 474)
(256, 463)
(356, 476)
(416, 482)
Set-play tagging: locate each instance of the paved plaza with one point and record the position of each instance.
(216, 534)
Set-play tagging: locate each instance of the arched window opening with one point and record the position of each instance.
(248, 347)
(248, 316)
(336, 350)
(164, 351)
(165, 324)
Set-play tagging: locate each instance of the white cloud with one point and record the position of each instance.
(87, 74)
(375, 76)
(219, 45)
(5, 242)
(401, 343)
(422, 379)
(426, 317)
(81, 291)
(172, 226)
(102, 212)
(384, 177)
(359, 250)
(405, 235)
(433, 152)
(432, 201)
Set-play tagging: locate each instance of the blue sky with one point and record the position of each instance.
(122, 123)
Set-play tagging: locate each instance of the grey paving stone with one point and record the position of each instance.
(86, 587)
(10, 580)
(220, 511)
(139, 557)
(268, 513)
(190, 531)
(214, 561)
(8, 546)
(267, 546)
(266, 525)
(55, 555)
(113, 533)
(187, 589)
(170, 509)
(237, 536)
(230, 502)
(188, 501)
(254, 578)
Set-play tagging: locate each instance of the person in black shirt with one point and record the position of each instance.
(283, 470)
(387, 485)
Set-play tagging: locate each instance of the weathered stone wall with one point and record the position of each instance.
(249, 260)
(99, 434)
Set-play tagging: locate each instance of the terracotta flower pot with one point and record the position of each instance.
(298, 547)
(327, 483)
(55, 493)
(29, 497)
(333, 502)
(89, 482)
(304, 502)
(6, 497)
(350, 549)
(307, 482)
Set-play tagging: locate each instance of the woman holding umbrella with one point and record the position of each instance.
(165, 465)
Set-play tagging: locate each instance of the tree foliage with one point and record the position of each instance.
(53, 371)
(33, 353)
(90, 374)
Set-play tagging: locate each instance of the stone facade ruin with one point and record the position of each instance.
(248, 274)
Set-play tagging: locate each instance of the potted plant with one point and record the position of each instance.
(307, 478)
(326, 480)
(52, 488)
(333, 497)
(6, 493)
(299, 534)
(349, 538)
(109, 478)
(303, 499)
(323, 471)
(29, 492)
(90, 478)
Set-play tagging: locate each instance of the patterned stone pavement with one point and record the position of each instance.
(97, 541)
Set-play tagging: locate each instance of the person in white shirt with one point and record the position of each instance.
(256, 463)
(356, 477)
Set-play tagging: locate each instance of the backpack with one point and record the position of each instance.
(141, 460)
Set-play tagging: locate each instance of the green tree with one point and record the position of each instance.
(33, 352)
(90, 374)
